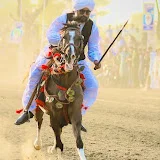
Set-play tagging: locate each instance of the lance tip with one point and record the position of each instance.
(126, 23)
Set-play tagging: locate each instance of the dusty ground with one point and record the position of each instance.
(124, 124)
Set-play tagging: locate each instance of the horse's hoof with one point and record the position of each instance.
(37, 147)
(81, 154)
(51, 149)
(59, 154)
(37, 144)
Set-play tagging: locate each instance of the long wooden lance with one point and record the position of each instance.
(35, 89)
(111, 44)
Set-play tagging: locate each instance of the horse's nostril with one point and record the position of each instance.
(68, 67)
(73, 57)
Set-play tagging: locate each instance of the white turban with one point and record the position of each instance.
(80, 4)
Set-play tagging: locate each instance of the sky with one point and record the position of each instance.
(120, 11)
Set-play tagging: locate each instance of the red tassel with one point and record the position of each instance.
(62, 66)
(85, 108)
(82, 105)
(57, 55)
(42, 89)
(44, 67)
(39, 103)
(49, 54)
(82, 76)
(37, 109)
(50, 69)
(44, 78)
(18, 111)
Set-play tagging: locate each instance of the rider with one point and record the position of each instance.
(82, 10)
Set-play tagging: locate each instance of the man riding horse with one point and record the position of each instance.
(81, 13)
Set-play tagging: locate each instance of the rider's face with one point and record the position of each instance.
(83, 15)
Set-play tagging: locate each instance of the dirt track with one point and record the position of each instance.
(122, 125)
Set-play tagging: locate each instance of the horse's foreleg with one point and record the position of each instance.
(39, 119)
(76, 125)
(58, 145)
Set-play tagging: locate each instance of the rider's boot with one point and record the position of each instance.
(24, 117)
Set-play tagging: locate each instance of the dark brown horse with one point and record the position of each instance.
(63, 91)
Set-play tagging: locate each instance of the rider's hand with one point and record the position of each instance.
(97, 64)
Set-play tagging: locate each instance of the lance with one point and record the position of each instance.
(111, 44)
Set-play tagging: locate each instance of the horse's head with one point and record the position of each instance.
(70, 45)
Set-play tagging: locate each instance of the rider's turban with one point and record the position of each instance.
(80, 4)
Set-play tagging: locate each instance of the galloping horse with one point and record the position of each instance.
(63, 91)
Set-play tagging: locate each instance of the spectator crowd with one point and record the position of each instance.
(133, 61)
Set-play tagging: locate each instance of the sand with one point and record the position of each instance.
(123, 124)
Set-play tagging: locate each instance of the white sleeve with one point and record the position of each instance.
(53, 35)
(94, 52)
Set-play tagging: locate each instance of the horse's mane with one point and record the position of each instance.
(70, 24)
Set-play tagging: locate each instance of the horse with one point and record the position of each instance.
(63, 91)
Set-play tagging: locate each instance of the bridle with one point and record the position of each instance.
(69, 49)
